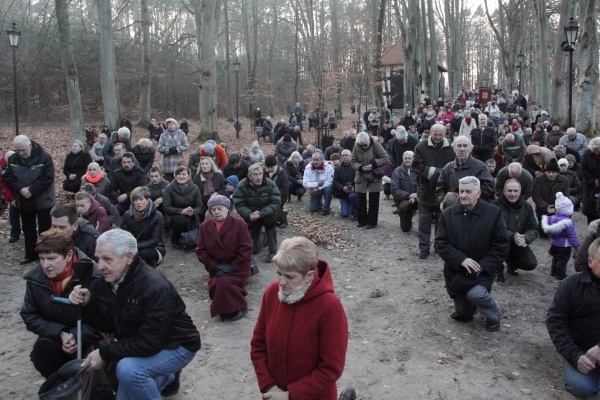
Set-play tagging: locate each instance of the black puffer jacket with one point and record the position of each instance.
(519, 218)
(176, 199)
(148, 231)
(342, 176)
(35, 172)
(573, 319)
(122, 181)
(249, 198)
(48, 319)
(146, 315)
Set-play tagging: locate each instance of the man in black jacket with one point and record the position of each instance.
(156, 337)
(343, 187)
(473, 242)
(124, 180)
(30, 176)
(522, 229)
(573, 322)
(64, 217)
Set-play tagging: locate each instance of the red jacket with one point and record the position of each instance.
(301, 347)
(97, 217)
(233, 246)
(220, 156)
(6, 193)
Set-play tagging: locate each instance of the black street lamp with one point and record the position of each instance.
(571, 32)
(238, 128)
(13, 38)
(520, 60)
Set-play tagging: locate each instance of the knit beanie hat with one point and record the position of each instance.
(219, 200)
(209, 146)
(233, 180)
(563, 205)
(552, 165)
(287, 138)
(270, 161)
(563, 161)
(255, 144)
(570, 157)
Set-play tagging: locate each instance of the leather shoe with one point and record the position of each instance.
(361, 225)
(370, 227)
(325, 213)
(424, 254)
(513, 272)
(270, 256)
(28, 260)
(13, 239)
(236, 316)
(460, 318)
(348, 394)
(492, 327)
(173, 387)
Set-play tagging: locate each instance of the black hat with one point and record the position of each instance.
(64, 383)
(270, 161)
(556, 123)
(552, 165)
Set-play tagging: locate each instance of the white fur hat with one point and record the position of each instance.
(563, 205)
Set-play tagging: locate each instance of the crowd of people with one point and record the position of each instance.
(468, 172)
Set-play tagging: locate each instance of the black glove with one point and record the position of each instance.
(434, 179)
(223, 269)
(173, 150)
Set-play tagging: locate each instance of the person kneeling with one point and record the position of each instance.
(155, 337)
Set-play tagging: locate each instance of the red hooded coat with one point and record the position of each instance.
(301, 347)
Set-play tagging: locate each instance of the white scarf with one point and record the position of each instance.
(295, 297)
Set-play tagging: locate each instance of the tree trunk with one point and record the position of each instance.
(108, 75)
(228, 88)
(587, 82)
(433, 60)
(275, 28)
(560, 79)
(206, 16)
(377, 55)
(66, 50)
(337, 73)
(424, 82)
(145, 89)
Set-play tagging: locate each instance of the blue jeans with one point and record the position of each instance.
(349, 205)
(478, 297)
(146, 377)
(316, 202)
(581, 385)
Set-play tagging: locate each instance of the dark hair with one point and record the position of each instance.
(89, 187)
(270, 160)
(154, 169)
(65, 210)
(234, 158)
(128, 155)
(182, 168)
(54, 241)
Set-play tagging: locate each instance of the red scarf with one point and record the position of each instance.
(95, 180)
(218, 224)
(62, 280)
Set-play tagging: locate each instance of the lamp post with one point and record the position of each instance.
(520, 60)
(236, 68)
(571, 32)
(13, 39)
(452, 94)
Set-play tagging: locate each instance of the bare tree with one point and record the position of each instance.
(146, 87)
(587, 82)
(108, 74)
(70, 70)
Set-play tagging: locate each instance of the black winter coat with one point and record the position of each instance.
(122, 181)
(590, 172)
(85, 238)
(148, 232)
(297, 173)
(249, 198)
(46, 318)
(428, 163)
(453, 172)
(403, 184)
(397, 149)
(519, 218)
(343, 175)
(573, 319)
(241, 171)
(77, 164)
(176, 199)
(484, 142)
(479, 234)
(108, 152)
(35, 172)
(145, 159)
(146, 315)
(218, 181)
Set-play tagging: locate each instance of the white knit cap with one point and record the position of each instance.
(563, 161)
(563, 205)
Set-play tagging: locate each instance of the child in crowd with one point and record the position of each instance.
(561, 230)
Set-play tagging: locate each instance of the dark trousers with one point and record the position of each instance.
(521, 258)
(255, 229)
(560, 259)
(371, 215)
(387, 189)
(427, 216)
(34, 223)
(150, 255)
(406, 211)
(14, 217)
(181, 223)
(47, 356)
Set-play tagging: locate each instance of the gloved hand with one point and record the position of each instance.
(434, 179)
(275, 393)
(223, 269)
(173, 150)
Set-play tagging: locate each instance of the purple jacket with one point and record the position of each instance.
(561, 230)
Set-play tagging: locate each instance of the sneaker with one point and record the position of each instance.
(173, 387)
(424, 254)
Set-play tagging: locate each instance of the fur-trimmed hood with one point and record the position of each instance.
(555, 227)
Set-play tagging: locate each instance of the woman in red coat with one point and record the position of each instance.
(299, 343)
(225, 249)
(89, 209)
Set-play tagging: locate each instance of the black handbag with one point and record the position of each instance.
(189, 239)
(254, 267)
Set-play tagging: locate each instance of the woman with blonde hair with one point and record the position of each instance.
(299, 343)
(210, 180)
(96, 176)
